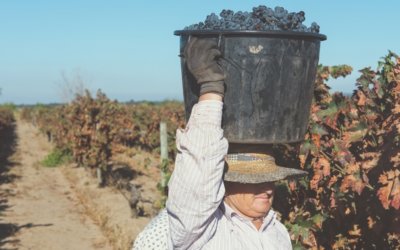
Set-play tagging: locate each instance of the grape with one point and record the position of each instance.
(261, 18)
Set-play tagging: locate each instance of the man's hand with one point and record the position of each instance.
(201, 55)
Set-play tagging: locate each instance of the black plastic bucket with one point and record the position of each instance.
(269, 83)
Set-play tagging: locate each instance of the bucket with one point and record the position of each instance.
(269, 83)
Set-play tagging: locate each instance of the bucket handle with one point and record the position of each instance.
(221, 42)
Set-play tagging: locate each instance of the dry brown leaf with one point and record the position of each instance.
(332, 200)
(358, 187)
(316, 138)
(315, 180)
(370, 160)
(391, 175)
(302, 159)
(352, 168)
(356, 231)
(326, 170)
(361, 98)
(340, 243)
(395, 203)
(322, 164)
(383, 179)
(310, 241)
(292, 185)
(348, 182)
(371, 222)
(396, 109)
(332, 180)
(383, 195)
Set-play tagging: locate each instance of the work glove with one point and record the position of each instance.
(201, 55)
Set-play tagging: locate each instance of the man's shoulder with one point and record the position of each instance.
(282, 232)
(281, 228)
(155, 235)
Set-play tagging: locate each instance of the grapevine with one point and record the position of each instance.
(351, 151)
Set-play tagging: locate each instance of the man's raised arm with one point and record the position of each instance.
(196, 187)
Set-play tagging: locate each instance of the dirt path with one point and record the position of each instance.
(48, 208)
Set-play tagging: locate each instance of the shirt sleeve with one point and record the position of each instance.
(196, 187)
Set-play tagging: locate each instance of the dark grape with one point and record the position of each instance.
(261, 18)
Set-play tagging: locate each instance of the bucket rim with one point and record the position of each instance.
(259, 33)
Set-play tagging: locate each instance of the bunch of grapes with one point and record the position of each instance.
(261, 18)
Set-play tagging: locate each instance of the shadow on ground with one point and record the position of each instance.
(8, 143)
(8, 229)
(8, 160)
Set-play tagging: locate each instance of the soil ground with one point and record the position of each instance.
(62, 207)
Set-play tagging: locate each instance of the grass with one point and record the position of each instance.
(100, 215)
(56, 158)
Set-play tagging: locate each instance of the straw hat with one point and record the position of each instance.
(256, 168)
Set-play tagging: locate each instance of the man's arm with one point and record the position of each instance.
(196, 188)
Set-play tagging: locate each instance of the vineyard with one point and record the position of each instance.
(7, 123)
(6, 118)
(351, 197)
(91, 130)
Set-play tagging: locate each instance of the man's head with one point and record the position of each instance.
(250, 176)
(251, 200)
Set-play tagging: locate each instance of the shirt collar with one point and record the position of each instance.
(230, 213)
(269, 219)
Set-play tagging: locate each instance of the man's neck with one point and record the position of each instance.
(257, 222)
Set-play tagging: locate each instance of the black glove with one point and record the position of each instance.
(201, 55)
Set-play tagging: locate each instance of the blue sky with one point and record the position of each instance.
(127, 48)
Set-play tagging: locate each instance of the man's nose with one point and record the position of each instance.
(267, 191)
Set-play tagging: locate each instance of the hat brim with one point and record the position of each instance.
(281, 173)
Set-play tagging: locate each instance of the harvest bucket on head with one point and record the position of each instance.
(269, 82)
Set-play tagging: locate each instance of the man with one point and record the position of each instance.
(217, 200)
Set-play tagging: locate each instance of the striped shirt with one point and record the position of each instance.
(198, 217)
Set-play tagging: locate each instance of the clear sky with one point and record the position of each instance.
(127, 48)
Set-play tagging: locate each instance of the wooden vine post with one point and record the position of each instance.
(164, 154)
(99, 174)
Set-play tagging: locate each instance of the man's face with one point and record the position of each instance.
(251, 200)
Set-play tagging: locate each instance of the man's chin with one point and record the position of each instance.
(262, 207)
